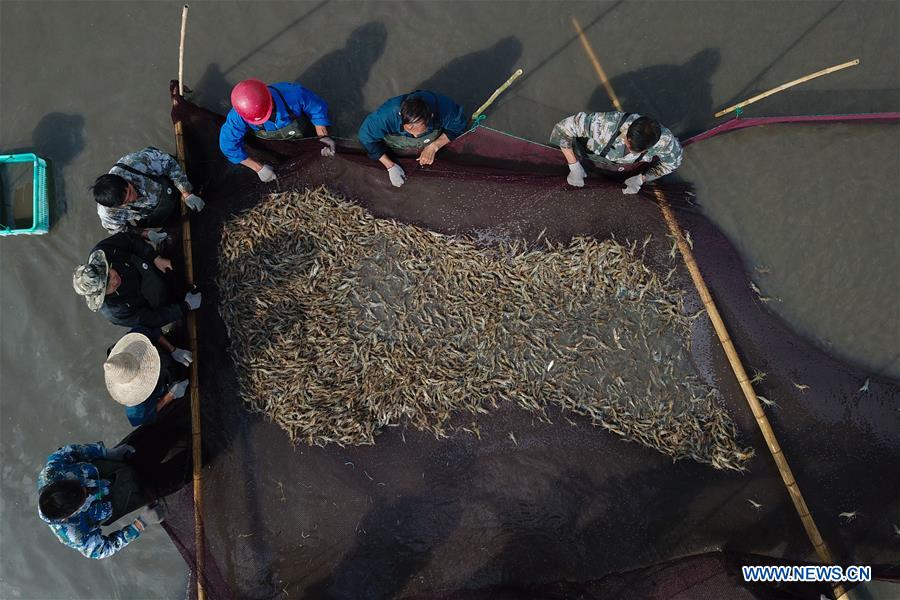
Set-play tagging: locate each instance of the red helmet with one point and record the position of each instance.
(252, 101)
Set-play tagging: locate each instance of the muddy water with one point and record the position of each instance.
(84, 83)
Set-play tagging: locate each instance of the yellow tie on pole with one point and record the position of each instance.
(789, 84)
(809, 525)
(496, 93)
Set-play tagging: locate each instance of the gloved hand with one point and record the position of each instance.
(194, 202)
(576, 174)
(266, 174)
(183, 356)
(120, 452)
(329, 149)
(178, 388)
(155, 237)
(193, 299)
(151, 515)
(633, 184)
(397, 175)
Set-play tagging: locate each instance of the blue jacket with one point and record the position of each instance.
(82, 529)
(301, 102)
(448, 115)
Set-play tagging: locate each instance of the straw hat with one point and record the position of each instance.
(89, 280)
(132, 369)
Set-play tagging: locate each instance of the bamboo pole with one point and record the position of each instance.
(184, 13)
(789, 84)
(496, 93)
(762, 421)
(601, 74)
(812, 532)
(196, 448)
(187, 245)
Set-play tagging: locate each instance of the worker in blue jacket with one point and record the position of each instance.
(422, 120)
(281, 111)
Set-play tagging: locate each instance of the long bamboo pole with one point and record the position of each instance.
(789, 84)
(601, 74)
(762, 421)
(812, 531)
(187, 245)
(496, 93)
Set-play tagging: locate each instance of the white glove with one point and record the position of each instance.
(397, 175)
(194, 202)
(183, 356)
(633, 184)
(178, 388)
(576, 174)
(329, 149)
(155, 237)
(266, 174)
(120, 452)
(193, 300)
(152, 515)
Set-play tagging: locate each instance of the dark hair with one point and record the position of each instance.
(110, 190)
(61, 498)
(643, 133)
(413, 110)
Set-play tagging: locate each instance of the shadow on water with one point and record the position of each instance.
(532, 70)
(344, 94)
(58, 138)
(354, 62)
(471, 78)
(679, 96)
(276, 35)
(213, 89)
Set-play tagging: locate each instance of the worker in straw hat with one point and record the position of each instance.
(122, 280)
(623, 144)
(85, 487)
(141, 192)
(145, 373)
(281, 111)
(422, 121)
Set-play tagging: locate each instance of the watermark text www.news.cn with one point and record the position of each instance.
(806, 573)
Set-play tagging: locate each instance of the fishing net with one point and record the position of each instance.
(342, 324)
(417, 516)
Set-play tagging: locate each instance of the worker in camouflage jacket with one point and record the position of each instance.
(618, 143)
(141, 192)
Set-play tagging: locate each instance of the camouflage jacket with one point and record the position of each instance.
(149, 160)
(598, 128)
(82, 529)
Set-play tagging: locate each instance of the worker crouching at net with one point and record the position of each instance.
(123, 280)
(620, 144)
(281, 112)
(423, 121)
(141, 192)
(85, 487)
(145, 373)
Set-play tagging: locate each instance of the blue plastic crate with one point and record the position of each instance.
(40, 211)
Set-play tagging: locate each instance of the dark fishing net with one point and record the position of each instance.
(417, 516)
